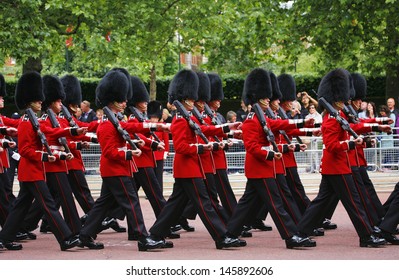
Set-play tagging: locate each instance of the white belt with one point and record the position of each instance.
(58, 148)
(122, 149)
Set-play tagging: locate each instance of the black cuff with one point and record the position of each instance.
(154, 145)
(153, 128)
(45, 157)
(63, 156)
(285, 149)
(351, 145)
(78, 146)
(230, 135)
(74, 131)
(385, 122)
(215, 146)
(297, 148)
(226, 128)
(270, 155)
(129, 155)
(301, 125)
(6, 144)
(200, 149)
(374, 128)
(94, 140)
(3, 131)
(368, 142)
(317, 125)
(309, 133)
(226, 147)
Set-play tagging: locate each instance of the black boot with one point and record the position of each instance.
(184, 224)
(70, 243)
(259, 224)
(299, 241)
(87, 241)
(371, 241)
(227, 242)
(147, 243)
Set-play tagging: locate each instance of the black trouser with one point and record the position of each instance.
(225, 191)
(391, 197)
(77, 181)
(119, 189)
(268, 192)
(39, 191)
(159, 172)
(4, 203)
(344, 187)
(185, 189)
(61, 190)
(391, 218)
(296, 187)
(372, 194)
(10, 175)
(289, 202)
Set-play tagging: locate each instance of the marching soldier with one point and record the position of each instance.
(260, 163)
(29, 95)
(187, 167)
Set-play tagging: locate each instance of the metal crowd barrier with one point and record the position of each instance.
(385, 156)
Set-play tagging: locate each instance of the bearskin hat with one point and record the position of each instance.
(216, 87)
(276, 93)
(73, 91)
(140, 92)
(2, 86)
(204, 88)
(113, 87)
(29, 89)
(335, 86)
(184, 85)
(360, 86)
(257, 86)
(52, 89)
(154, 109)
(287, 87)
(124, 71)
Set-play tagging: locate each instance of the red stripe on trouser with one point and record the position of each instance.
(131, 206)
(296, 188)
(224, 192)
(81, 190)
(152, 189)
(286, 203)
(66, 205)
(363, 202)
(354, 205)
(274, 207)
(214, 204)
(203, 210)
(45, 208)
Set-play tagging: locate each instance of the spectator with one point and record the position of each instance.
(306, 100)
(296, 110)
(243, 112)
(171, 108)
(313, 114)
(78, 113)
(231, 116)
(99, 114)
(392, 108)
(386, 139)
(88, 115)
(371, 112)
(166, 116)
(363, 109)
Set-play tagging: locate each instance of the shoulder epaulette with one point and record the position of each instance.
(25, 118)
(251, 115)
(44, 117)
(178, 115)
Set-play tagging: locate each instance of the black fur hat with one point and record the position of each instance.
(360, 86)
(204, 87)
(276, 93)
(52, 89)
(216, 87)
(184, 85)
(287, 87)
(257, 86)
(113, 87)
(140, 92)
(124, 71)
(154, 109)
(73, 91)
(29, 89)
(335, 86)
(2, 86)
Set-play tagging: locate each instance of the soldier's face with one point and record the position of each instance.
(264, 103)
(200, 105)
(275, 104)
(189, 104)
(142, 106)
(56, 106)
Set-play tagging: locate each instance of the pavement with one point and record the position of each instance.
(339, 244)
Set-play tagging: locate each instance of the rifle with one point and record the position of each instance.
(56, 124)
(199, 117)
(115, 122)
(193, 125)
(68, 116)
(36, 127)
(138, 116)
(208, 111)
(269, 134)
(350, 113)
(334, 113)
(284, 116)
(270, 114)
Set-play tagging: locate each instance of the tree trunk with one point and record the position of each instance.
(153, 83)
(392, 83)
(32, 64)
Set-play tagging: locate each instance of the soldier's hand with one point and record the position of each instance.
(207, 147)
(85, 145)
(373, 142)
(385, 128)
(303, 147)
(234, 125)
(163, 127)
(12, 144)
(139, 143)
(358, 140)
(309, 122)
(278, 155)
(51, 158)
(221, 145)
(69, 156)
(316, 132)
(291, 147)
(136, 153)
(81, 130)
(161, 146)
(12, 131)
